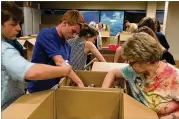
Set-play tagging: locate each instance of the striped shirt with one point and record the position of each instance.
(78, 57)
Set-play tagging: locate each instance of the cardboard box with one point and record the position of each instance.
(29, 45)
(106, 66)
(32, 106)
(24, 38)
(78, 103)
(105, 33)
(124, 36)
(177, 63)
(34, 36)
(92, 77)
(105, 41)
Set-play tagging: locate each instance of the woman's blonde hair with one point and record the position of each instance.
(141, 47)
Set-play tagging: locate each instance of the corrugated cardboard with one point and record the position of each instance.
(91, 77)
(89, 103)
(105, 41)
(29, 44)
(125, 35)
(132, 109)
(177, 63)
(32, 106)
(78, 103)
(105, 33)
(34, 36)
(24, 38)
(107, 66)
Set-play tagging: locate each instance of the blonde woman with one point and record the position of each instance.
(81, 46)
(153, 82)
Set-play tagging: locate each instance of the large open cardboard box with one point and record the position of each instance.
(105, 36)
(78, 103)
(92, 77)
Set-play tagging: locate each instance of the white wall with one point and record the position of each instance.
(151, 9)
(172, 28)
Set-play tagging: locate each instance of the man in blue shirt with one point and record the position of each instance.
(52, 48)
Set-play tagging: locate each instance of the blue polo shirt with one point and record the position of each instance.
(48, 44)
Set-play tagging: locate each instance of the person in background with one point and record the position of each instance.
(166, 56)
(147, 21)
(157, 25)
(101, 27)
(82, 45)
(15, 70)
(130, 27)
(98, 42)
(153, 82)
(52, 48)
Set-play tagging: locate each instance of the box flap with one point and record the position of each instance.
(125, 35)
(106, 66)
(132, 109)
(24, 38)
(91, 103)
(105, 33)
(32, 106)
(91, 77)
(34, 35)
(32, 41)
(22, 42)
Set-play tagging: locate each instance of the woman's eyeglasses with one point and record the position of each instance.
(132, 63)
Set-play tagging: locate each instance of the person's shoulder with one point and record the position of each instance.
(5, 45)
(159, 34)
(46, 31)
(89, 44)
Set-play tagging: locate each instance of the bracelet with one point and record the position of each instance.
(174, 116)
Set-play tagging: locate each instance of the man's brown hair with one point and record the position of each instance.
(10, 10)
(73, 17)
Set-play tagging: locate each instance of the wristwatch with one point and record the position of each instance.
(174, 116)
